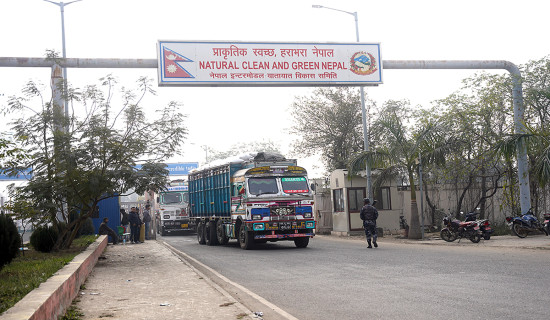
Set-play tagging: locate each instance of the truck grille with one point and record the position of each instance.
(283, 213)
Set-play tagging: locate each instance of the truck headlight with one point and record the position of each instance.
(256, 217)
(310, 224)
(258, 226)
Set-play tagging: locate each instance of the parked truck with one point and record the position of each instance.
(174, 209)
(255, 199)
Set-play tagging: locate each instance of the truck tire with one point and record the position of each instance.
(162, 232)
(210, 234)
(301, 242)
(223, 239)
(200, 232)
(245, 238)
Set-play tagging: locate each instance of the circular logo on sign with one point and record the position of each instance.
(363, 63)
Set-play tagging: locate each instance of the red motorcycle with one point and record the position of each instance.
(484, 224)
(456, 229)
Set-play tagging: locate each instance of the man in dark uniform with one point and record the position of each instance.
(135, 224)
(369, 214)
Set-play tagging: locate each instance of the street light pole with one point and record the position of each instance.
(62, 8)
(363, 109)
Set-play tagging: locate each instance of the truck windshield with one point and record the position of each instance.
(294, 185)
(174, 197)
(259, 186)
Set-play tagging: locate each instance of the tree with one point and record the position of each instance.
(477, 117)
(397, 148)
(78, 161)
(328, 122)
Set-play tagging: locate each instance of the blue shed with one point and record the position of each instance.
(109, 208)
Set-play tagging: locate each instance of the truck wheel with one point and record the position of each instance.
(200, 233)
(210, 233)
(223, 239)
(245, 240)
(301, 242)
(163, 232)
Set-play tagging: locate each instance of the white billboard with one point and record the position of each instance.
(223, 63)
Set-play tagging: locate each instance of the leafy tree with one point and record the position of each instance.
(328, 123)
(477, 117)
(93, 154)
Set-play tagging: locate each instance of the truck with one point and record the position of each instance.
(173, 209)
(254, 199)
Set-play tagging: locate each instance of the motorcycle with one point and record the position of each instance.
(484, 224)
(521, 226)
(456, 229)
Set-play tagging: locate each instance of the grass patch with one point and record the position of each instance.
(31, 268)
(73, 313)
(501, 229)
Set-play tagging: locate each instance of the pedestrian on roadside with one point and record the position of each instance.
(135, 224)
(147, 221)
(104, 229)
(369, 214)
(124, 221)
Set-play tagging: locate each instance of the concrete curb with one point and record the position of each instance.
(232, 290)
(51, 299)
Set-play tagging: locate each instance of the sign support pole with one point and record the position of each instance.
(517, 92)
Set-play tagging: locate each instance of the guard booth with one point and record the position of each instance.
(347, 194)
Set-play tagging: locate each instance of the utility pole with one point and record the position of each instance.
(363, 109)
(65, 83)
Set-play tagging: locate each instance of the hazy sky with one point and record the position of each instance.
(220, 117)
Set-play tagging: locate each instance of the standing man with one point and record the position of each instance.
(135, 223)
(369, 214)
(125, 222)
(147, 221)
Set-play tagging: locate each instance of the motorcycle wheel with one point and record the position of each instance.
(475, 238)
(543, 230)
(447, 235)
(487, 236)
(519, 230)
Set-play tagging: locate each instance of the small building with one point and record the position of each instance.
(347, 194)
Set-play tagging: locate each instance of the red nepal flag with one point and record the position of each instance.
(172, 68)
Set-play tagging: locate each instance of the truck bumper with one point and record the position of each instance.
(178, 225)
(283, 236)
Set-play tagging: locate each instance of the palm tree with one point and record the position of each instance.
(397, 150)
(538, 146)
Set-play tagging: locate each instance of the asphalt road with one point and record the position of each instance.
(342, 279)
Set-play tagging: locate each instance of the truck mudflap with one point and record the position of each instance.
(283, 236)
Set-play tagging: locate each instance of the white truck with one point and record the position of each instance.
(174, 210)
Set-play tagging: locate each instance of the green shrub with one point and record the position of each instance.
(43, 238)
(10, 241)
(87, 227)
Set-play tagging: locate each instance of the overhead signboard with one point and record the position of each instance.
(178, 169)
(23, 175)
(217, 63)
